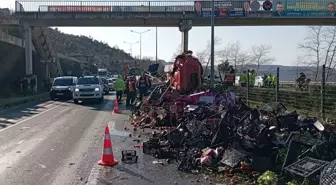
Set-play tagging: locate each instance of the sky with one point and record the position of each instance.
(283, 39)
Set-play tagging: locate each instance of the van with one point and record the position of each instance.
(63, 87)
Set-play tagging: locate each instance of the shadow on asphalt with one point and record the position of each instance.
(13, 115)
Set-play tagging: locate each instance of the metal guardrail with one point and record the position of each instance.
(103, 6)
(131, 6)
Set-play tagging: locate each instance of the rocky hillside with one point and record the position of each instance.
(99, 53)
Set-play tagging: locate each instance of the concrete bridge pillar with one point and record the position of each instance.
(28, 49)
(184, 28)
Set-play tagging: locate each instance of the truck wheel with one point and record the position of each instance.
(76, 101)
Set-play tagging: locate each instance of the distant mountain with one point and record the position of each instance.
(288, 73)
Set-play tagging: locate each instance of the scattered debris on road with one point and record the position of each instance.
(218, 134)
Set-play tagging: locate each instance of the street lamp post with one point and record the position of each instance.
(212, 74)
(156, 45)
(140, 33)
(131, 43)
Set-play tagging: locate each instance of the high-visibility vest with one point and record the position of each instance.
(243, 78)
(130, 86)
(143, 82)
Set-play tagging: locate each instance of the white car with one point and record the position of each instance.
(259, 82)
(111, 83)
(89, 88)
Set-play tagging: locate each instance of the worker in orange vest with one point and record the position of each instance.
(143, 84)
(130, 91)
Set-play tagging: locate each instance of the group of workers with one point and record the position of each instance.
(130, 87)
(247, 77)
(268, 80)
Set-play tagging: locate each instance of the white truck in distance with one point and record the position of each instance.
(103, 73)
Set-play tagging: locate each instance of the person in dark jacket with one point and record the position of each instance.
(143, 84)
(25, 85)
(33, 84)
(130, 91)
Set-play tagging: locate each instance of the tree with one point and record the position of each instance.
(204, 55)
(259, 55)
(235, 55)
(320, 48)
(177, 52)
(312, 45)
(149, 58)
(330, 39)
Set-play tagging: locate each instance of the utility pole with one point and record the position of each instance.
(212, 74)
(131, 43)
(140, 33)
(156, 45)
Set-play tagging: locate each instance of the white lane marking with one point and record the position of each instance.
(30, 118)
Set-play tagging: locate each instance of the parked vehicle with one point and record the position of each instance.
(63, 87)
(89, 88)
(259, 81)
(103, 73)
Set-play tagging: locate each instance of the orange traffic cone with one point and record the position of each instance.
(107, 157)
(116, 107)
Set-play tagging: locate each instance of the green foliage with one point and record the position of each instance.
(293, 182)
(305, 182)
(267, 178)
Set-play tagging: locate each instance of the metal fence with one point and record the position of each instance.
(142, 6)
(319, 99)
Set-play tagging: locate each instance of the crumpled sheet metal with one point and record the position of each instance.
(232, 157)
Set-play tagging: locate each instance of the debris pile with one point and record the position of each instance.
(220, 133)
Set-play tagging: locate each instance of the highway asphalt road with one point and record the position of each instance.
(59, 143)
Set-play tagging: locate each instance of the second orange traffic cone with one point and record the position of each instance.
(116, 107)
(107, 157)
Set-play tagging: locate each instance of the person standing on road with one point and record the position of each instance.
(25, 84)
(274, 79)
(33, 84)
(120, 87)
(130, 90)
(143, 84)
(243, 79)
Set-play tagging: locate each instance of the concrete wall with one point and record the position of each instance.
(12, 67)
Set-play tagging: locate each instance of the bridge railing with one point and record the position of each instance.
(318, 99)
(129, 6)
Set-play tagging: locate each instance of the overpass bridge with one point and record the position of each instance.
(181, 14)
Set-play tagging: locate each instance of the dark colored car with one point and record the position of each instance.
(63, 87)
